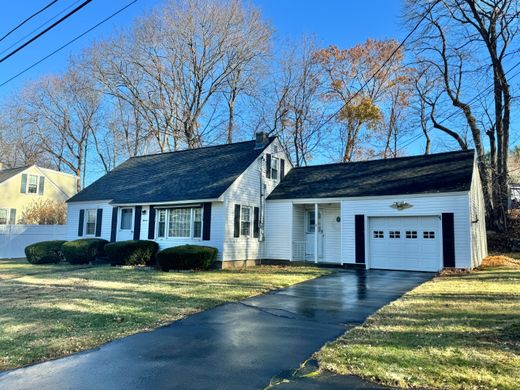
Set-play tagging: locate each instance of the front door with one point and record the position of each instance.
(126, 224)
(310, 229)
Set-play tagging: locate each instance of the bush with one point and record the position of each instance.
(45, 252)
(83, 251)
(187, 257)
(133, 252)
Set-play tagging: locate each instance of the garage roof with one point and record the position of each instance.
(434, 173)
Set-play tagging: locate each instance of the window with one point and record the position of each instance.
(4, 216)
(179, 223)
(428, 235)
(311, 222)
(90, 223)
(411, 234)
(379, 234)
(245, 221)
(275, 168)
(161, 223)
(32, 185)
(394, 234)
(126, 219)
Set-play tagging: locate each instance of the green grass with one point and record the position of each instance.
(48, 311)
(458, 331)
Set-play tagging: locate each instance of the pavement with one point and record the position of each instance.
(243, 345)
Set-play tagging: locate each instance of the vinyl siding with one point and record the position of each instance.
(477, 220)
(278, 230)
(246, 191)
(424, 205)
(73, 219)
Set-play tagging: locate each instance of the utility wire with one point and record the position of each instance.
(29, 18)
(40, 26)
(68, 43)
(46, 30)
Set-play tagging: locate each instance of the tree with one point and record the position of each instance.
(467, 46)
(44, 212)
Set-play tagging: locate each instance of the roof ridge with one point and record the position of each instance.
(387, 159)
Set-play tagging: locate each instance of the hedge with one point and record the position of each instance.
(187, 257)
(44, 252)
(83, 251)
(132, 252)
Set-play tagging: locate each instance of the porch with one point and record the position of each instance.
(316, 232)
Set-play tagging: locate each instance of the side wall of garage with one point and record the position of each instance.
(477, 220)
(419, 205)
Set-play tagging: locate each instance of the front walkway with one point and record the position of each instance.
(234, 346)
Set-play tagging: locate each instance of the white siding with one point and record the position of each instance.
(477, 220)
(423, 205)
(278, 230)
(246, 191)
(73, 218)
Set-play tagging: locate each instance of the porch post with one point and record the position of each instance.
(316, 226)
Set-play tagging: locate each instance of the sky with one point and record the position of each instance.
(343, 23)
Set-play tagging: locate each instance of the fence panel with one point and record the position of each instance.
(14, 238)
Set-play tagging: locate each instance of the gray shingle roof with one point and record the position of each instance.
(442, 172)
(6, 174)
(195, 174)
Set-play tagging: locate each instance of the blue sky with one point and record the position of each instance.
(340, 22)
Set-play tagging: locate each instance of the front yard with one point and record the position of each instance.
(458, 331)
(48, 311)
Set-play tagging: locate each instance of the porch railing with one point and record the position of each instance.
(299, 250)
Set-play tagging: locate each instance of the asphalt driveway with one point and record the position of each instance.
(234, 346)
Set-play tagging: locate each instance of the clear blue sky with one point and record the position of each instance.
(340, 22)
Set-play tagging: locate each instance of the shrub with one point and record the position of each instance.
(45, 252)
(133, 252)
(187, 257)
(83, 251)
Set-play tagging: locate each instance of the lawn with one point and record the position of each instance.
(458, 331)
(49, 311)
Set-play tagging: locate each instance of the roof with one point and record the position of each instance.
(6, 174)
(194, 174)
(434, 173)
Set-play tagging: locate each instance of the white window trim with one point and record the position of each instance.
(37, 185)
(277, 159)
(121, 217)
(251, 220)
(86, 222)
(192, 224)
(7, 216)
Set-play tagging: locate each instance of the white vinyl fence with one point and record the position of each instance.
(14, 238)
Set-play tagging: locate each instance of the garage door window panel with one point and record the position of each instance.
(379, 234)
(429, 235)
(411, 234)
(394, 234)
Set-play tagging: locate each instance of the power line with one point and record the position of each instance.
(40, 26)
(46, 30)
(68, 43)
(27, 19)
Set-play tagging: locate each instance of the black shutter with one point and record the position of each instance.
(42, 185)
(448, 240)
(256, 224)
(236, 232)
(99, 222)
(23, 187)
(113, 230)
(137, 222)
(282, 168)
(359, 223)
(151, 223)
(206, 222)
(81, 221)
(268, 165)
(12, 217)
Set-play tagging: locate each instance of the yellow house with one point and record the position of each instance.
(21, 187)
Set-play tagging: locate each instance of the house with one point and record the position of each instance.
(413, 213)
(21, 187)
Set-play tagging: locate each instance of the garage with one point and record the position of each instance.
(405, 243)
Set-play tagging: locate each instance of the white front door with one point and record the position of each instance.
(310, 228)
(405, 243)
(125, 229)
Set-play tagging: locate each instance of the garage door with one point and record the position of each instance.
(405, 243)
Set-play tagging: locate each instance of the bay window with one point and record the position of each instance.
(183, 222)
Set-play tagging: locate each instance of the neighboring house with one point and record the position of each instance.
(21, 187)
(414, 213)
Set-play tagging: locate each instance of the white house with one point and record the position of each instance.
(414, 213)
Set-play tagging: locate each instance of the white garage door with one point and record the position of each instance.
(405, 243)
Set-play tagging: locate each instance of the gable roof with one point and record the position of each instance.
(194, 174)
(434, 173)
(6, 174)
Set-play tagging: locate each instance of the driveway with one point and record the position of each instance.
(234, 346)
